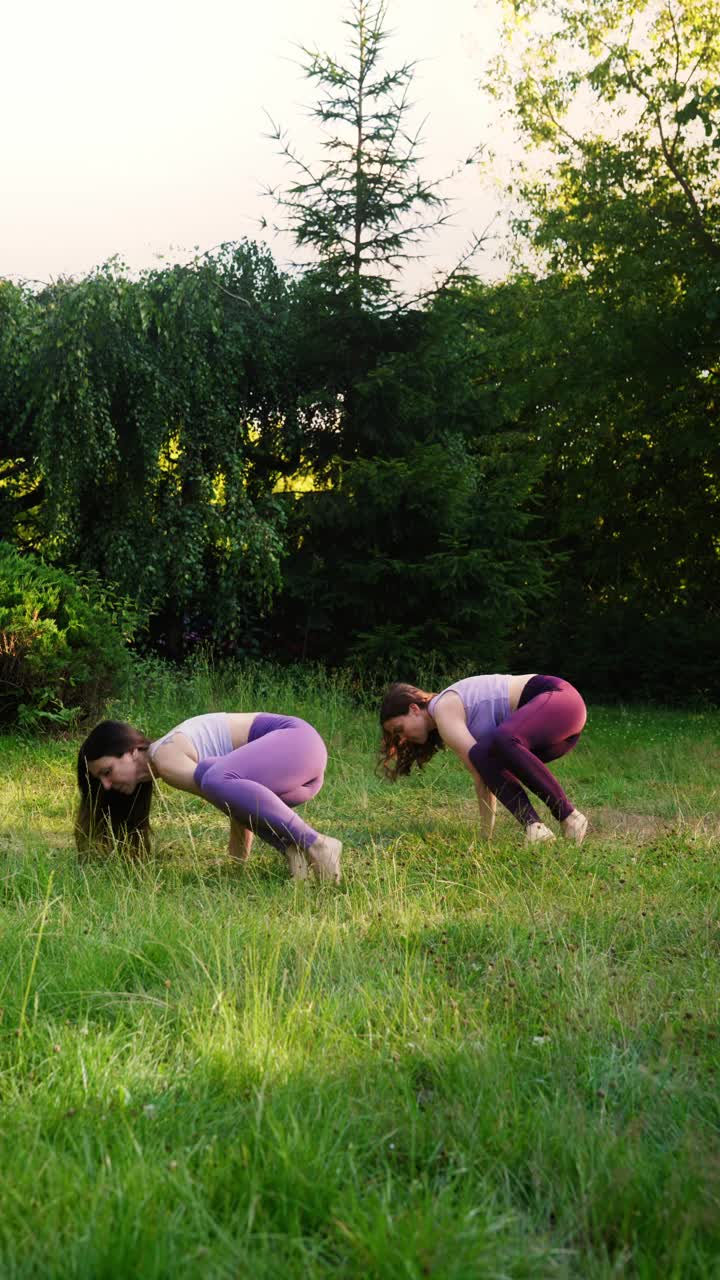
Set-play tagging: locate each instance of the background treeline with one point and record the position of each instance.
(517, 474)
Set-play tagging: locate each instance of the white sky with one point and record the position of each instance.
(136, 128)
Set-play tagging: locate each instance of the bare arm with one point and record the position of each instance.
(240, 842)
(176, 765)
(452, 725)
(487, 803)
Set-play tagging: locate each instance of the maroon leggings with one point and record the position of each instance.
(547, 724)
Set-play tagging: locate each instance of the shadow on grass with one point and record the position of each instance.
(422, 1163)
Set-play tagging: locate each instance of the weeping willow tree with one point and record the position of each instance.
(142, 425)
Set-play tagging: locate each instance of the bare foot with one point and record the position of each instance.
(323, 856)
(575, 826)
(297, 865)
(537, 831)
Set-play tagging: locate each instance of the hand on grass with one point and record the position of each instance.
(240, 842)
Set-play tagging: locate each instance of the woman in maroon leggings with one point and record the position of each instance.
(505, 729)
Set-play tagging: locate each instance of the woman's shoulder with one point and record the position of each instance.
(156, 743)
(451, 694)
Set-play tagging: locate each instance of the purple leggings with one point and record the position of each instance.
(282, 765)
(547, 724)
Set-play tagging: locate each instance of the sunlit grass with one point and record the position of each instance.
(468, 1060)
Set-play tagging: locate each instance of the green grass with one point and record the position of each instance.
(467, 1061)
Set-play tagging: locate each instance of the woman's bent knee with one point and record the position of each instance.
(202, 769)
(211, 774)
(503, 742)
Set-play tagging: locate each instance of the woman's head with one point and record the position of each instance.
(409, 733)
(115, 787)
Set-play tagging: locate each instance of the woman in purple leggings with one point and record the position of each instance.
(254, 767)
(504, 729)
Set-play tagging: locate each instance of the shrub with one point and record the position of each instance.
(63, 641)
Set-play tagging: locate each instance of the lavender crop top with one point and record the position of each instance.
(486, 700)
(209, 734)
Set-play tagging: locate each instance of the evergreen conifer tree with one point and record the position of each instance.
(365, 208)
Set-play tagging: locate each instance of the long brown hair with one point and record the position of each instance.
(397, 758)
(107, 818)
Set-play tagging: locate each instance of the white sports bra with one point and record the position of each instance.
(209, 734)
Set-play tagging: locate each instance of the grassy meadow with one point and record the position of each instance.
(468, 1060)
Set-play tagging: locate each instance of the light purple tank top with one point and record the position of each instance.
(209, 734)
(486, 700)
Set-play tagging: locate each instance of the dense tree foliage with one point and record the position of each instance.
(411, 560)
(62, 642)
(412, 542)
(620, 342)
(146, 406)
(524, 474)
(21, 484)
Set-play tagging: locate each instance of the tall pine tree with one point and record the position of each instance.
(364, 208)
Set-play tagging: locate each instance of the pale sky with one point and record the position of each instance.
(136, 128)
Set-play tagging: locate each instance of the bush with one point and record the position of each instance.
(63, 642)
